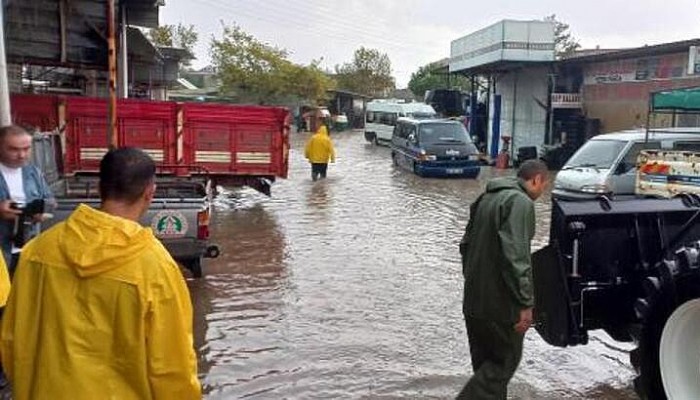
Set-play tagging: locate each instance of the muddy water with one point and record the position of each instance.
(351, 288)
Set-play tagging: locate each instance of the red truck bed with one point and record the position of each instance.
(237, 143)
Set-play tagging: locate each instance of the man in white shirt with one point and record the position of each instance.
(20, 183)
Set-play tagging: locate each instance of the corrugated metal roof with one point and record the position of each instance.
(33, 30)
(644, 51)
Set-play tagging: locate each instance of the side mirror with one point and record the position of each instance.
(412, 138)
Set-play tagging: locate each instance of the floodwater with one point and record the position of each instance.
(351, 288)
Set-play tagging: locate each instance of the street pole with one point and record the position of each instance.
(5, 114)
(124, 56)
(112, 65)
(550, 133)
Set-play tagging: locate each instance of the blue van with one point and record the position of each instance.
(435, 148)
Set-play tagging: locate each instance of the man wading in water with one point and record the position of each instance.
(498, 290)
(319, 150)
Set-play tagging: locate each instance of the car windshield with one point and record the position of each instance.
(596, 154)
(443, 133)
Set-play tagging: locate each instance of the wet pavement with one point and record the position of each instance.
(351, 288)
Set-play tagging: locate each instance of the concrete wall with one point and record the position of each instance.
(617, 92)
(523, 91)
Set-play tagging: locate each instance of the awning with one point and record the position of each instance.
(687, 99)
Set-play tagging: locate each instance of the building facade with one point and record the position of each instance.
(614, 87)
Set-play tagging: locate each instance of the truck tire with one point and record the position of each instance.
(677, 283)
(195, 266)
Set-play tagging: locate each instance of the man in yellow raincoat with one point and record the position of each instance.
(319, 150)
(98, 308)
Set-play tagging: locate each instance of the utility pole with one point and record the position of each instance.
(112, 65)
(5, 114)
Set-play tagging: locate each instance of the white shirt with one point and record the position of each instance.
(14, 181)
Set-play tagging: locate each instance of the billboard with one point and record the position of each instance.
(507, 40)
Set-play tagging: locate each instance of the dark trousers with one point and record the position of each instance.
(317, 170)
(496, 349)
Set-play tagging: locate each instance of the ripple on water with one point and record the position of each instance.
(351, 287)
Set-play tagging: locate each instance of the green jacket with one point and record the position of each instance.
(496, 252)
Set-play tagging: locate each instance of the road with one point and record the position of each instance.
(351, 288)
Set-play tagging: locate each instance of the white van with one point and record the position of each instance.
(381, 117)
(607, 164)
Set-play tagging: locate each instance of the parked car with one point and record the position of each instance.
(606, 164)
(382, 115)
(439, 148)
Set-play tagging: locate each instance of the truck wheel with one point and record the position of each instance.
(679, 352)
(670, 302)
(195, 266)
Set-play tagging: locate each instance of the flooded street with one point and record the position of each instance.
(351, 288)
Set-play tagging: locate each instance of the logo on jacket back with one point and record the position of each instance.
(169, 224)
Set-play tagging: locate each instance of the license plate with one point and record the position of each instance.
(455, 170)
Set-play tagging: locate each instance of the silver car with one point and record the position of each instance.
(607, 164)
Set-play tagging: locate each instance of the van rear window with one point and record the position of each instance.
(443, 133)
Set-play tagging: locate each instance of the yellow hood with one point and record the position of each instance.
(94, 242)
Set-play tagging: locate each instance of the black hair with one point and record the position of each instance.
(125, 174)
(12, 130)
(531, 168)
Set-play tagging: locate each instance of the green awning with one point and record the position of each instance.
(678, 99)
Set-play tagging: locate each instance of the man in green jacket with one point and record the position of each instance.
(498, 289)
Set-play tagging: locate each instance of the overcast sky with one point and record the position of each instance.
(417, 32)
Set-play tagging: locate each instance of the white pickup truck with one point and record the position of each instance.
(179, 214)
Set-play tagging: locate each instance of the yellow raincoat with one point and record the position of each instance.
(98, 310)
(4, 282)
(319, 149)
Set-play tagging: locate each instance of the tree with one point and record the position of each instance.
(369, 73)
(564, 43)
(426, 78)
(261, 73)
(180, 36)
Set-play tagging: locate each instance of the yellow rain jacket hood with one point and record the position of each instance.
(98, 310)
(319, 149)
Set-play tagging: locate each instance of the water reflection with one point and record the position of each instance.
(243, 291)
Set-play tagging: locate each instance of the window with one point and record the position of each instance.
(631, 156)
(687, 146)
(596, 154)
(444, 133)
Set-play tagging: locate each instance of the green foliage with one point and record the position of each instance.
(368, 73)
(257, 72)
(564, 43)
(426, 79)
(162, 36)
(180, 36)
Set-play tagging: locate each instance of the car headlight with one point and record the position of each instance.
(597, 188)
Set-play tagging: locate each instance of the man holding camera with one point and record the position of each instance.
(21, 184)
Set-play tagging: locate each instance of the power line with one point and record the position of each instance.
(289, 16)
(284, 20)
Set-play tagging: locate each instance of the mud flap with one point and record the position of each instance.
(552, 309)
